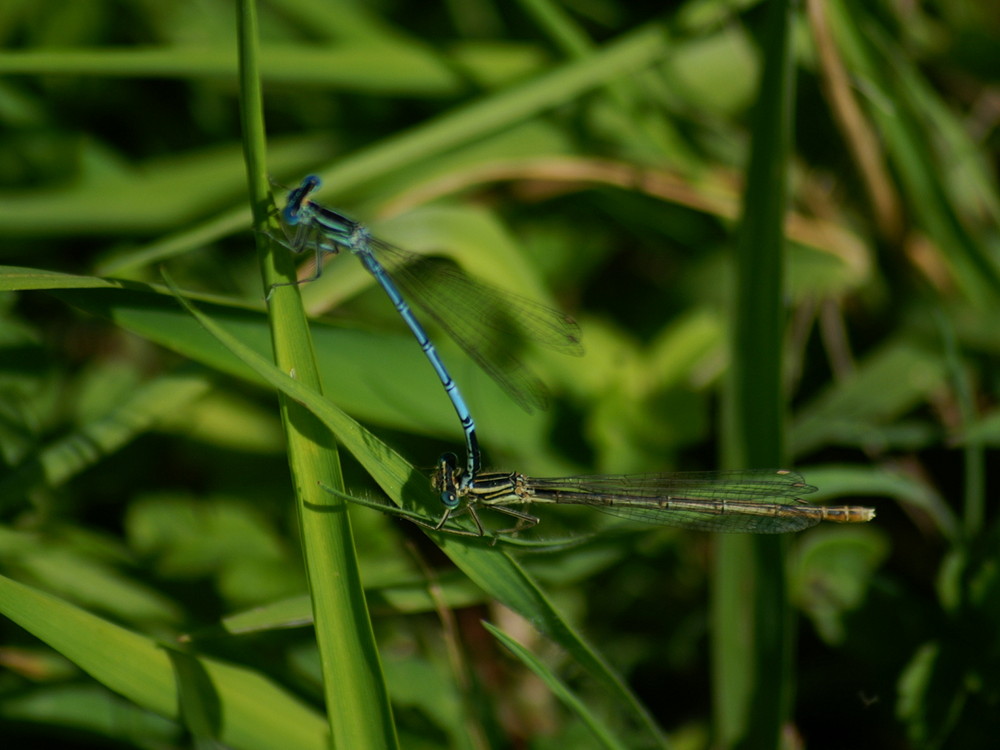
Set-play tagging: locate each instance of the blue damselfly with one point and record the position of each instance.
(486, 322)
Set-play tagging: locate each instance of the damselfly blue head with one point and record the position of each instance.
(446, 480)
(297, 197)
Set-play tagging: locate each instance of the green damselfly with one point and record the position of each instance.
(749, 501)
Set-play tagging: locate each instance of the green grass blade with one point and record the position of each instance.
(499, 111)
(627, 105)
(493, 570)
(601, 732)
(900, 104)
(64, 458)
(18, 278)
(752, 630)
(218, 701)
(357, 701)
(883, 388)
(974, 510)
(378, 69)
(493, 114)
(349, 358)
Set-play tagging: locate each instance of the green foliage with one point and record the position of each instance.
(171, 569)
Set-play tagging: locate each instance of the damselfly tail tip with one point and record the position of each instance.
(849, 514)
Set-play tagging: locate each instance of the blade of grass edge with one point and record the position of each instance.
(469, 122)
(601, 732)
(493, 570)
(753, 627)
(908, 130)
(357, 700)
(213, 699)
(54, 463)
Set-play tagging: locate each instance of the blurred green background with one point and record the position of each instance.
(591, 155)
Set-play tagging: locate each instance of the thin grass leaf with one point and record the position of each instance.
(69, 568)
(974, 505)
(17, 278)
(214, 700)
(349, 359)
(407, 597)
(884, 386)
(495, 113)
(357, 701)
(66, 457)
(388, 70)
(898, 105)
(752, 633)
(499, 111)
(601, 732)
(627, 104)
(493, 570)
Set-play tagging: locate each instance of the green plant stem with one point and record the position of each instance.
(753, 626)
(357, 702)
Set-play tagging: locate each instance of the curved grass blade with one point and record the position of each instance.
(493, 570)
(214, 700)
(745, 715)
(602, 733)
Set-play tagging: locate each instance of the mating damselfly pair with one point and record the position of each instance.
(486, 323)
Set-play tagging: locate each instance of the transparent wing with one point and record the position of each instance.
(754, 501)
(489, 324)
